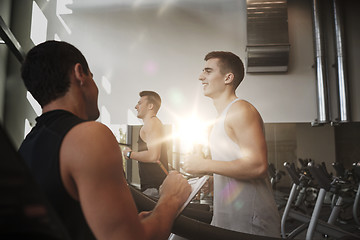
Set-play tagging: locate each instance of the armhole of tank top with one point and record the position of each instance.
(225, 113)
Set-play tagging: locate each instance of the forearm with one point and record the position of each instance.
(173, 193)
(240, 169)
(159, 223)
(144, 156)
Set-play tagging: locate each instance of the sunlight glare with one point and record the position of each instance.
(191, 131)
(151, 67)
(176, 96)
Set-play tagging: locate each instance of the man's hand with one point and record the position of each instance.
(125, 152)
(173, 193)
(195, 164)
(175, 187)
(208, 186)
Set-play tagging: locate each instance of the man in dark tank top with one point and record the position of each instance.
(152, 154)
(77, 161)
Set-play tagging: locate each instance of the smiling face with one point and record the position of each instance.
(142, 107)
(213, 80)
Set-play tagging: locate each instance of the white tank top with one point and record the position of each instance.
(240, 205)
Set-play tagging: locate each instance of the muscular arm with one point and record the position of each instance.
(153, 132)
(244, 126)
(91, 168)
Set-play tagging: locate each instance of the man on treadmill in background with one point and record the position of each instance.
(152, 154)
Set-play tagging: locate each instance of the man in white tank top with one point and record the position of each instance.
(243, 198)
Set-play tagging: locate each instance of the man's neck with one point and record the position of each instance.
(65, 104)
(222, 101)
(148, 117)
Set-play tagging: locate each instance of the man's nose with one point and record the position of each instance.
(201, 77)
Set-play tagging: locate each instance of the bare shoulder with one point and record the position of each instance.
(90, 125)
(243, 108)
(153, 123)
(90, 140)
(243, 121)
(91, 131)
(89, 151)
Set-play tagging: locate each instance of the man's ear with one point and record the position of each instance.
(151, 106)
(79, 73)
(229, 78)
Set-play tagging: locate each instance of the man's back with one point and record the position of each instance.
(40, 151)
(86, 160)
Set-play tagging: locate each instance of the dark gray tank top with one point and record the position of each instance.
(40, 150)
(151, 174)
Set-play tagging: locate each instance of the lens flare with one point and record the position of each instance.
(191, 132)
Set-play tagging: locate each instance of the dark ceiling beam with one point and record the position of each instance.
(9, 39)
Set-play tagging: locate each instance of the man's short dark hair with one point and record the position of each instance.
(152, 98)
(229, 62)
(47, 67)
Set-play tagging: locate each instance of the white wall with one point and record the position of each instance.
(162, 48)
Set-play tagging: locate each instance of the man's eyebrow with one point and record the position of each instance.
(207, 69)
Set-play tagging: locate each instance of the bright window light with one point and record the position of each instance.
(38, 25)
(34, 104)
(56, 37)
(62, 9)
(27, 127)
(106, 85)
